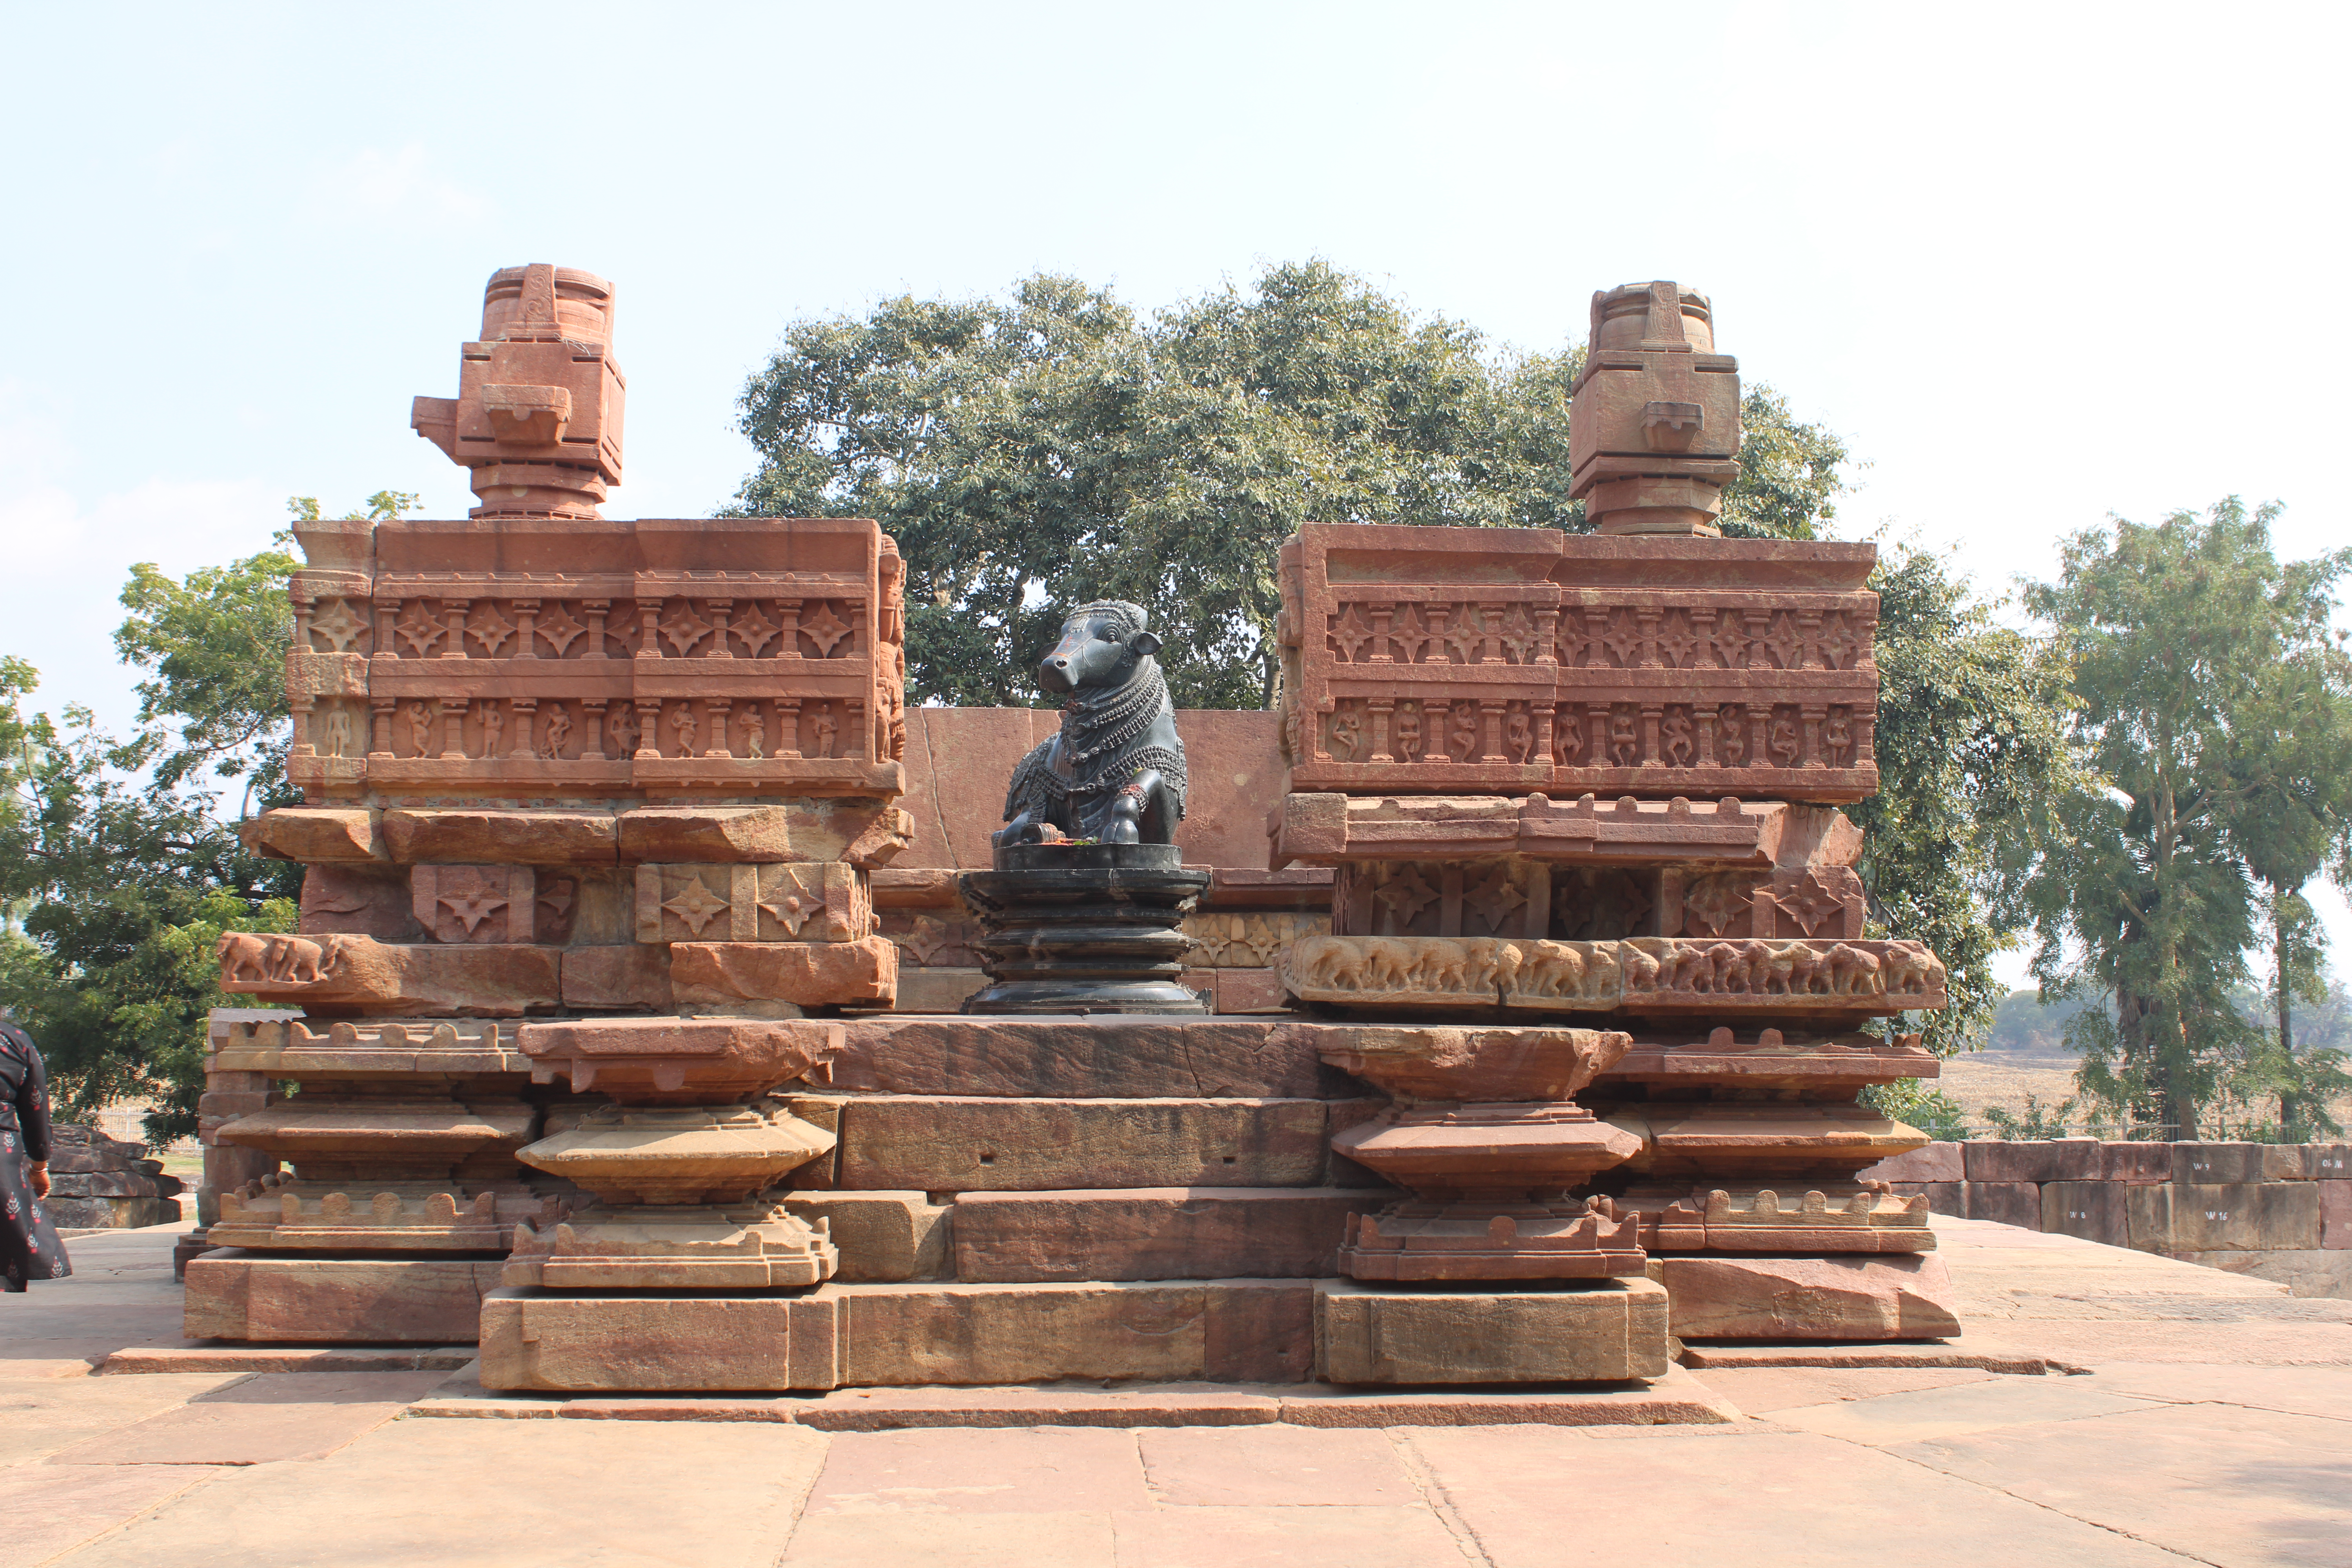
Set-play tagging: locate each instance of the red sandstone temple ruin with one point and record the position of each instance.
(1540, 985)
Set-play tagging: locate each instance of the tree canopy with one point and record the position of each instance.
(120, 860)
(1033, 453)
(2210, 699)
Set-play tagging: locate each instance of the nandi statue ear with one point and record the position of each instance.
(1143, 645)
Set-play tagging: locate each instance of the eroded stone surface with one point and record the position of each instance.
(1607, 1332)
(740, 976)
(236, 1295)
(1162, 1233)
(1804, 1298)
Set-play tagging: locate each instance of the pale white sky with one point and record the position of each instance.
(2037, 263)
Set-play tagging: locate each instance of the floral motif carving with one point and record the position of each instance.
(339, 625)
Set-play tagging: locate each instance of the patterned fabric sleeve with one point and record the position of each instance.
(32, 1097)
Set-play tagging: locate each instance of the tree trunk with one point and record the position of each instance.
(2290, 1108)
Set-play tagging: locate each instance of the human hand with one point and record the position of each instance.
(41, 1179)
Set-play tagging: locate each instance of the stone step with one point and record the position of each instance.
(232, 1294)
(1225, 1330)
(1156, 1233)
(1608, 1330)
(947, 1144)
(1677, 1398)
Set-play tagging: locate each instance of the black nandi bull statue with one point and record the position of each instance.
(1116, 772)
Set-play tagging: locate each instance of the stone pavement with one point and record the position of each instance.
(2212, 1423)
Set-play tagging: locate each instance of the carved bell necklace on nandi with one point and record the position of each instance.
(1116, 772)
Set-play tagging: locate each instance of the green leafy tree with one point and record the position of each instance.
(2290, 814)
(1032, 453)
(1970, 738)
(2173, 638)
(117, 864)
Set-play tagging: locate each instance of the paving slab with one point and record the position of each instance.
(1760, 1390)
(1041, 1469)
(1766, 1500)
(516, 1494)
(2322, 1391)
(1276, 1466)
(51, 1510)
(40, 1416)
(1058, 1539)
(203, 1355)
(2220, 1483)
(1983, 1355)
(1674, 1398)
(257, 1419)
(1397, 1536)
(1951, 1412)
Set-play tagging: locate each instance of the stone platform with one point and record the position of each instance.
(2204, 1427)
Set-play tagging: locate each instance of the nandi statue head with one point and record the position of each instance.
(1116, 772)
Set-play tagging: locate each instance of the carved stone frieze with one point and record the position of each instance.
(827, 902)
(285, 1213)
(1436, 661)
(1246, 940)
(1662, 974)
(536, 655)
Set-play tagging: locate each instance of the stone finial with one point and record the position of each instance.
(1655, 421)
(537, 412)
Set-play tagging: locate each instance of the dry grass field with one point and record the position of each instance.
(1979, 1080)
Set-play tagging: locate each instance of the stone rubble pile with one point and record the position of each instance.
(98, 1182)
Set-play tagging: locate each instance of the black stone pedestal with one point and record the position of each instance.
(1084, 928)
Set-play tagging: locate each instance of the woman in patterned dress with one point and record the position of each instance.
(29, 1249)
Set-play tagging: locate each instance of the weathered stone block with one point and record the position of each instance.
(1605, 1333)
(2135, 1161)
(989, 1333)
(1109, 1056)
(883, 1237)
(635, 977)
(944, 1145)
(2334, 1212)
(2288, 1214)
(2042, 1160)
(2147, 1208)
(418, 834)
(1250, 991)
(1935, 1163)
(925, 990)
(1943, 1198)
(110, 1214)
(238, 1295)
(103, 1185)
(742, 976)
(2006, 1203)
(658, 1344)
(358, 974)
(2290, 1162)
(707, 833)
(2095, 1211)
(362, 901)
(2331, 1162)
(2221, 1216)
(1809, 1299)
(2211, 1164)
(1164, 1233)
(313, 834)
